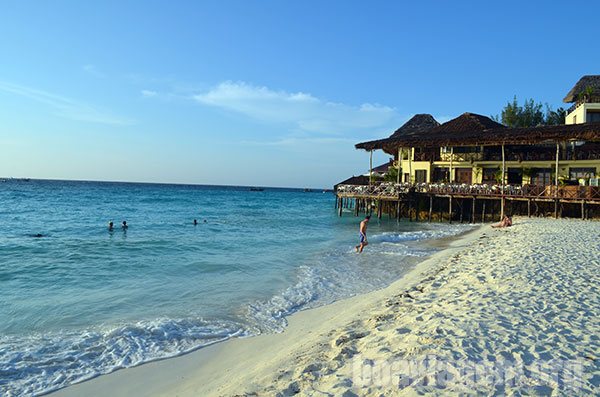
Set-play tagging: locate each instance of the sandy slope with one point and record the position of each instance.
(513, 310)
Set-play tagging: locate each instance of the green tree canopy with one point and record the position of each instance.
(529, 114)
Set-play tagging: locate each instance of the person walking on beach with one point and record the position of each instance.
(363, 234)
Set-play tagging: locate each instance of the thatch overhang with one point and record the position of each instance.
(417, 125)
(590, 82)
(471, 129)
(510, 136)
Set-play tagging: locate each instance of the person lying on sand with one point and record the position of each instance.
(505, 222)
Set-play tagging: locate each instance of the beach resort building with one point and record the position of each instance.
(473, 156)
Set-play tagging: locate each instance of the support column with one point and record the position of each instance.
(430, 207)
(370, 167)
(483, 213)
(503, 179)
(473, 211)
(529, 208)
(556, 181)
(399, 162)
(583, 209)
(451, 174)
(450, 209)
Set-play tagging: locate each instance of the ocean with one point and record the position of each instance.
(81, 300)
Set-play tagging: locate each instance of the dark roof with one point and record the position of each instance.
(383, 168)
(592, 81)
(355, 180)
(509, 136)
(466, 122)
(418, 124)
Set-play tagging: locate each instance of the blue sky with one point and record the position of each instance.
(271, 93)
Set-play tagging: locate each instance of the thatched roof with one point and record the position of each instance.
(509, 136)
(591, 81)
(355, 180)
(465, 123)
(471, 129)
(418, 124)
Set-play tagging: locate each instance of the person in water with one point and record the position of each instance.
(195, 222)
(363, 234)
(124, 226)
(111, 226)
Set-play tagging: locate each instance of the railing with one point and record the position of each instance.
(385, 189)
(394, 190)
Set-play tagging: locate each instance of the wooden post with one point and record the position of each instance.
(399, 162)
(379, 208)
(451, 176)
(340, 207)
(556, 169)
(450, 209)
(410, 155)
(370, 167)
(462, 204)
(399, 210)
(529, 208)
(430, 207)
(410, 210)
(503, 171)
(483, 213)
(583, 209)
(473, 211)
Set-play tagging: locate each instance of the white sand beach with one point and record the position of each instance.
(500, 311)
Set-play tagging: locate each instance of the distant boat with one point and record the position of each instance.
(256, 189)
(307, 190)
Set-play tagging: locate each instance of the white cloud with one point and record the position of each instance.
(149, 93)
(91, 69)
(66, 107)
(303, 110)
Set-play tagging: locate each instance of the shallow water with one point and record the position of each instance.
(82, 301)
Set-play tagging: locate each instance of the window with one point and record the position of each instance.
(406, 177)
(515, 176)
(579, 173)
(421, 176)
(440, 174)
(489, 175)
(541, 176)
(592, 117)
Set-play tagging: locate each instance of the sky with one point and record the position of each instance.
(268, 93)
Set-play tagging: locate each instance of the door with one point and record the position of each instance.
(464, 175)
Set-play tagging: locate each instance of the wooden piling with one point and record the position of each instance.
(473, 211)
(483, 213)
(529, 208)
(450, 209)
(430, 207)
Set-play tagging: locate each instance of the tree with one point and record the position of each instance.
(529, 114)
(391, 175)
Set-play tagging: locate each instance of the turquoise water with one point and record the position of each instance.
(82, 301)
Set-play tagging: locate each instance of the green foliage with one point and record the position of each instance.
(391, 175)
(529, 114)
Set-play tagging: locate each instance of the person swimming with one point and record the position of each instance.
(111, 226)
(195, 222)
(124, 225)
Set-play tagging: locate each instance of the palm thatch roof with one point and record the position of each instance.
(471, 129)
(418, 124)
(355, 180)
(590, 82)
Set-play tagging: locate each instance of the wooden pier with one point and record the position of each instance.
(471, 203)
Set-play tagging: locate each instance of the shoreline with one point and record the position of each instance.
(206, 370)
